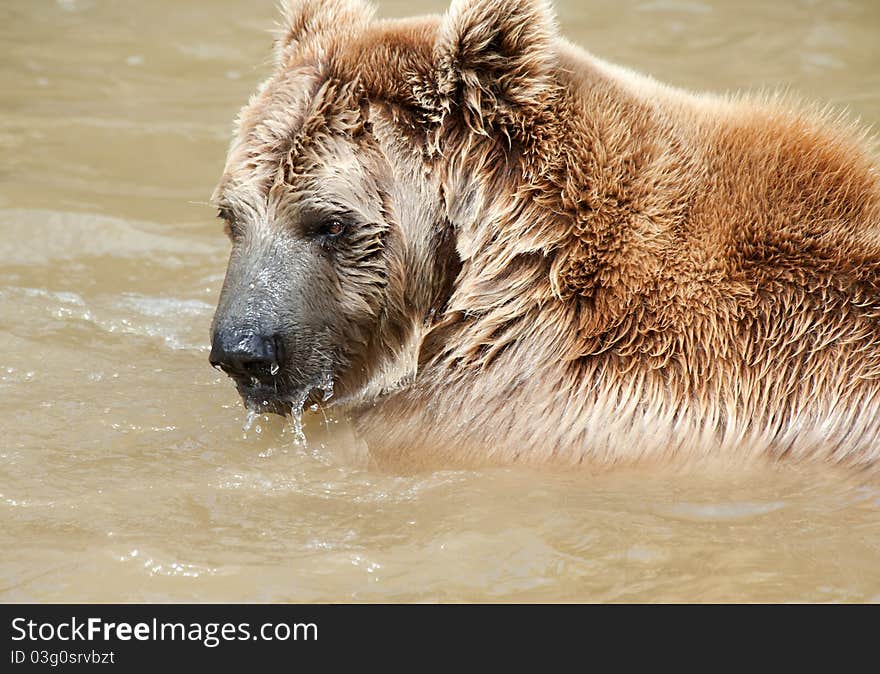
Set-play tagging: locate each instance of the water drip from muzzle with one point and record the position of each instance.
(325, 385)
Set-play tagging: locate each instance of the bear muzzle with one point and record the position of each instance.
(247, 355)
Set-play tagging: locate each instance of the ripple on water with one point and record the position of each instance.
(674, 6)
(61, 235)
(15, 376)
(157, 565)
(719, 512)
(178, 322)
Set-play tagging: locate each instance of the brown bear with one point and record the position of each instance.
(492, 247)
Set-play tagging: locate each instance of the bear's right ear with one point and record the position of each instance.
(305, 21)
(495, 60)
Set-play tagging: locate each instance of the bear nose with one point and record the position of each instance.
(246, 353)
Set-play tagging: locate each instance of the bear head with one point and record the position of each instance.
(347, 195)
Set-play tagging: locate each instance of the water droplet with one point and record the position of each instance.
(296, 411)
(326, 385)
(248, 421)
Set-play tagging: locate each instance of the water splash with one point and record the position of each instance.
(297, 406)
(248, 422)
(296, 425)
(326, 386)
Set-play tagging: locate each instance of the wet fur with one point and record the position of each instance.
(572, 263)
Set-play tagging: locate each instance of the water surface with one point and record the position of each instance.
(124, 471)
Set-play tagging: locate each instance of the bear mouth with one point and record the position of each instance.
(271, 398)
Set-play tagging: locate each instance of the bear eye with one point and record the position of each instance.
(330, 231)
(327, 229)
(333, 228)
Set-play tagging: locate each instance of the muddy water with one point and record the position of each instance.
(124, 470)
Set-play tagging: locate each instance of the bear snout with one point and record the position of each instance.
(243, 353)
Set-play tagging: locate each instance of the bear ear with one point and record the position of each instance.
(495, 59)
(304, 21)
